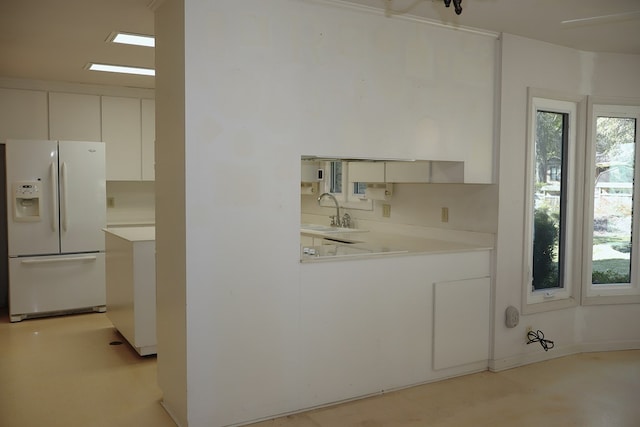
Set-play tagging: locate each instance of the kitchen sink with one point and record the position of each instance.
(328, 229)
(340, 250)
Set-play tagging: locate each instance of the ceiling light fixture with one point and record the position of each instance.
(132, 39)
(457, 4)
(121, 69)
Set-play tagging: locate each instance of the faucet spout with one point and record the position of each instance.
(334, 221)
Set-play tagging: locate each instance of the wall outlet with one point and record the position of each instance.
(445, 214)
(386, 210)
(111, 202)
(526, 333)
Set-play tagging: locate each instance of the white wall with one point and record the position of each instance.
(529, 63)
(171, 276)
(264, 83)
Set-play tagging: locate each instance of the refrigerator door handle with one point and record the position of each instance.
(56, 260)
(63, 197)
(54, 188)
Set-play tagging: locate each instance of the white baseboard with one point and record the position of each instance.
(168, 410)
(515, 361)
(616, 346)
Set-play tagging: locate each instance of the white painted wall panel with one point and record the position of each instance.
(74, 116)
(530, 63)
(23, 114)
(461, 322)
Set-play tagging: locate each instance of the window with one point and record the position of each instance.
(551, 203)
(549, 199)
(613, 199)
(335, 181)
(359, 188)
(338, 182)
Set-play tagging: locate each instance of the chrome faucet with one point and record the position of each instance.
(335, 220)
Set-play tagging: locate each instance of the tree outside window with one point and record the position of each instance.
(613, 200)
(551, 136)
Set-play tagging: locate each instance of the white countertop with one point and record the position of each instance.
(369, 244)
(133, 234)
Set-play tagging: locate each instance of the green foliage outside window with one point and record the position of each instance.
(545, 240)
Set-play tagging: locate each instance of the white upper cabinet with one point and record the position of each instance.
(311, 171)
(398, 172)
(74, 116)
(23, 114)
(148, 139)
(121, 132)
(410, 172)
(125, 124)
(366, 172)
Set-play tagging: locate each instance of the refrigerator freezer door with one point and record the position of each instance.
(37, 162)
(56, 283)
(83, 210)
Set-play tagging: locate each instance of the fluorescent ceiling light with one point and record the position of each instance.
(122, 69)
(134, 39)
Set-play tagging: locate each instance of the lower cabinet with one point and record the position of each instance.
(379, 324)
(461, 322)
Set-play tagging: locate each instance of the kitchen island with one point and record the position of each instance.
(131, 285)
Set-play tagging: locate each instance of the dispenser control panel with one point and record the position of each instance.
(26, 190)
(26, 201)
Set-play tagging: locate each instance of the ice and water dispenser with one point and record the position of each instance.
(26, 201)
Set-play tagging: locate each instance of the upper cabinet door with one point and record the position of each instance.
(121, 131)
(23, 114)
(410, 172)
(74, 116)
(366, 172)
(148, 139)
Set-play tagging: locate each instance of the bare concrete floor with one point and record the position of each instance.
(61, 371)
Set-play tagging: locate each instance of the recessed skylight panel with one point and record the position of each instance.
(134, 39)
(122, 69)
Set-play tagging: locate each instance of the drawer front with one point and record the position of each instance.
(56, 283)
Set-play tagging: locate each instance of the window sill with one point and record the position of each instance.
(611, 299)
(557, 304)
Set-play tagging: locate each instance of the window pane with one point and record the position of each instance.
(549, 199)
(613, 200)
(359, 188)
(336, 177)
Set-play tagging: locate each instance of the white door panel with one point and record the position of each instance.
(461, 322)
(56, 283)
(82, 196)
(36, 161)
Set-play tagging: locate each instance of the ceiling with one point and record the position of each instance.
(54, 40)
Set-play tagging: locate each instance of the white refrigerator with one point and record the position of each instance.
(56, 202)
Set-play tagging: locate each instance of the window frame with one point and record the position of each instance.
(568, 296)
(593, 294)
(347, 199)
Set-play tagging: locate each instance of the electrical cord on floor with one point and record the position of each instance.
(538, 336)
